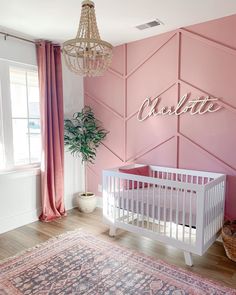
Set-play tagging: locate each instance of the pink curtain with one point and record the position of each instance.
(52, 128)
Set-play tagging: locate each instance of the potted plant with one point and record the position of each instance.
(83, 135)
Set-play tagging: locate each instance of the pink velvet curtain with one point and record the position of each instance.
(52, 128)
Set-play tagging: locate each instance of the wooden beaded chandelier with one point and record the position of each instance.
(87, 54)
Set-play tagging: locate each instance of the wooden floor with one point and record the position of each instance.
(214, 264)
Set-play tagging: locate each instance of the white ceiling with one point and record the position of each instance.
(58, 20)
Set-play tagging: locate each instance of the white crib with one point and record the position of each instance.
(183, 208)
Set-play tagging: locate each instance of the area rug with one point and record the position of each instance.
(79, 263)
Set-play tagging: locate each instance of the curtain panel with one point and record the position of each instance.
(52, 130)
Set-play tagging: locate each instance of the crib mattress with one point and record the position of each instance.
(160, 203)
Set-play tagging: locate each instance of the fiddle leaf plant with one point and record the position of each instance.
(83, 135)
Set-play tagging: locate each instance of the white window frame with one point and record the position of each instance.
(6, 130)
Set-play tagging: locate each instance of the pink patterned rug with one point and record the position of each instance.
(79, 263)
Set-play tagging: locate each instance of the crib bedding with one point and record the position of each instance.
(169, 205)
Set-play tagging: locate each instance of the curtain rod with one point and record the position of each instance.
(16, 37)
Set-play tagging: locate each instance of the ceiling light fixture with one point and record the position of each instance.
(87, 54)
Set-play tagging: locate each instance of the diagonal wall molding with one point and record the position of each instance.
(103, 104)
(122, 160)
(115, 73)
(150, 149)
(208, 153)
(149, 56)
(221, 100)
(208, 41)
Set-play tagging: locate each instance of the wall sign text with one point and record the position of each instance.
(200, 106)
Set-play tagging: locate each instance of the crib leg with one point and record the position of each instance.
(188, 258)
(112, 231)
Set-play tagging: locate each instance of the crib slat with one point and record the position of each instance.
(159, 209)
(153, 207)
(165, 210)
(108, 195)
(137, 204)
(222, 199)
(127, 206)
(133, 202)
(119, 203)
(207, 206)
(147, 206)
(190, 211)
(215, 209)
(218, 207)
(208, 216)
(171, 200)
(190, 218)
(123, 201)
(220, 204)
(183, 217)
(114, 198)
(110, 212)
(177, 214)
(210, 211)
(142, 205)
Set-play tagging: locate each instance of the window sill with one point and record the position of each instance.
(21, 172)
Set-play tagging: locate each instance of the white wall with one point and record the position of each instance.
(19, 199)
(73, 102)
(20, 191)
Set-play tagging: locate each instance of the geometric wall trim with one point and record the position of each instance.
(169, 65)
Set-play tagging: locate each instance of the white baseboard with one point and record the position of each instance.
(12, 222)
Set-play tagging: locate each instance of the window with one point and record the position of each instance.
(20, 140)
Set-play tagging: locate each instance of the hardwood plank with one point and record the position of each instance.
(213, 265)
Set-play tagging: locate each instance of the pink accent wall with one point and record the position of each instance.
(200, 60)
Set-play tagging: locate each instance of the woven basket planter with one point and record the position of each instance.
(229, 239)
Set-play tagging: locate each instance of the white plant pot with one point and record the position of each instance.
(87, 204)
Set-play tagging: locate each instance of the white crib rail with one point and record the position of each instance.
(173, 206)
(214, 209)
(128, 210)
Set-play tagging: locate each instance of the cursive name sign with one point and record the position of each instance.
(197, 106)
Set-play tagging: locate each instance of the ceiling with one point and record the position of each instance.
(57, 20)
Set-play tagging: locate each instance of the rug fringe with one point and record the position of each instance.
(130, 252)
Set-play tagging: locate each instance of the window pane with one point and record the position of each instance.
(35, 140)
(2, 151)
(18, 93)
(20, 141)
(25, 116)
(33, 94)
(32, 78)
(2, 158)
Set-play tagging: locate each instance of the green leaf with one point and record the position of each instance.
(83, 134)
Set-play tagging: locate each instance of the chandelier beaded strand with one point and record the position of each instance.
(87, 54)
